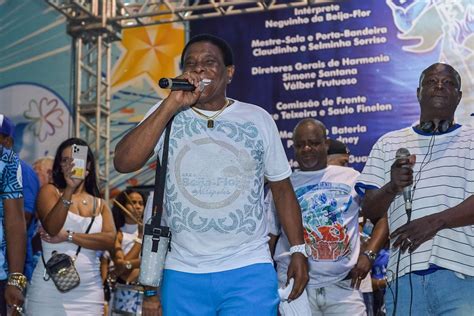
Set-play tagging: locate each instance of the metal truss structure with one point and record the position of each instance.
(90, 25)
(135, 13)
(95, 24)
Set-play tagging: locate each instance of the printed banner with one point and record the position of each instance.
(354, 65)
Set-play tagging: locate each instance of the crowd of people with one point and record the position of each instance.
(57, 212)
(324, 239)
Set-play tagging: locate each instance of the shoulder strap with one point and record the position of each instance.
(87, 231)
(78, 248)
(96, 206)
(160, 179)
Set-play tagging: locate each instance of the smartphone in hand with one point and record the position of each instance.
(79, 154)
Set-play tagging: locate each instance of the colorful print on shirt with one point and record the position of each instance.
(323, 206)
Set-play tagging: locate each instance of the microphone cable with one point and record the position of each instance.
(423, 164)
(409, 212)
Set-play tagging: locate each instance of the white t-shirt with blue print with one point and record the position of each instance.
(10, 188)
(214, 188)
(330, 210)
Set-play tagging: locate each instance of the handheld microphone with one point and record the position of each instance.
(404, 153)
(181, 84)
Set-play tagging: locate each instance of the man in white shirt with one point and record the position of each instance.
(330, 211)
(220, 152)
(431, 225)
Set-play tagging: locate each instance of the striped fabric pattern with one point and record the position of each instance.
(446, 179)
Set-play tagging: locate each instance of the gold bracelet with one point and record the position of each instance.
(17, 279)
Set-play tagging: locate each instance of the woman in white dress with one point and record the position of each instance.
(65, 209)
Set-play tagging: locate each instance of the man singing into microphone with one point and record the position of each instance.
(220, 152)
(435, 268)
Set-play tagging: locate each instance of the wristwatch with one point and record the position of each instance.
(128, 265)
(69, 235)
(370, 254)
(303, 248)
(67, 203)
